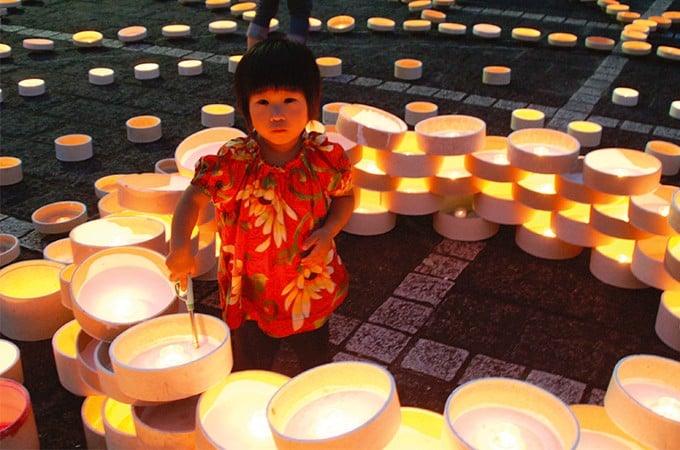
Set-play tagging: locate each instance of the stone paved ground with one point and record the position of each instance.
(436, 312)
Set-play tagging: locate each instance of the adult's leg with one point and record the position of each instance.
(252, 348)
(299, 10)
(258, 29)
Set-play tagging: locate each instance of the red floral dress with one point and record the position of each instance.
(264, 215)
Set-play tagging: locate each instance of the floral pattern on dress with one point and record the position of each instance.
(265, 213)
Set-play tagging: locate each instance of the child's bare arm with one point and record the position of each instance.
(181, 260)
(321, 239)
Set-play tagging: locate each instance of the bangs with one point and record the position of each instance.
(279, 64)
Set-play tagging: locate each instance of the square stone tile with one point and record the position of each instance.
(423, 288)
(450, 95)
(402, 315)
(446, 267)
(460, 249)
(33, 240)
(367, 82)
(435, 359)
(636, 127)
(341, 327)
(667, 132)
(15, 227)
(422, 90)
(395, 86)
(570, 391)
(480, 100)
(377, 342)
(482, 366)
(596, 397)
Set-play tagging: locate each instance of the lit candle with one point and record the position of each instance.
(661, 399)
(147, 71)
(460, 212)
(222, 26)
(334, 414)
(31, 87)
(100, 76)
(87, 39)
(10, 361)
(132, 34)
(502, 436)
(144, 294)
(244, 427)
(176, 30)
(502, 428)
(174, 351)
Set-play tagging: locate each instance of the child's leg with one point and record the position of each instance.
(252, 348)
(312, 348)
(299, 10)
(258, 29)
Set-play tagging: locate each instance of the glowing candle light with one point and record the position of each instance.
(454, 29)
(489, 414)
(334, 414)
(408, 69)
(668, 407)
(175, 351)
(449, 135)
(87, 39)
(340, 24)
(217, 115)
(132, 34)
(10, 361)
(245, 427)
(222, 26)
(486, 30)
(190, 67)
(526, 118)
(370, 126)
(329, 405)
(460, 212)
(625, 96)
(10, 170)
(201, 143)
(176, 30)
(147, 71)
(125, 303)
(329, 66)
(31, 87)
(380, 24)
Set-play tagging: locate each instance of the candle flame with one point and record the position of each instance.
(258, 425)
(668, 407)
(504, 436)
(172, 355)
(623, 259)
(541, 150)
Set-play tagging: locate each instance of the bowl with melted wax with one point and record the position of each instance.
(156, 360)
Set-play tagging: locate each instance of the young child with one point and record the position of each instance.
(281, 196)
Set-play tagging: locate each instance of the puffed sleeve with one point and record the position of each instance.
(336, 166)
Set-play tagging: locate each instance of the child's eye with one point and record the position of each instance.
(290, 100)
(262, 101)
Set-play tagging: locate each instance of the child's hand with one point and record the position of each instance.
(319, 243)
(181, 264)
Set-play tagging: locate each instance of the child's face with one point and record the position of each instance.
(279, 116)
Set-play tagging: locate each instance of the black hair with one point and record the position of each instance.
(277, 63)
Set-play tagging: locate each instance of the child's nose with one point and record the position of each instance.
(276, 114)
